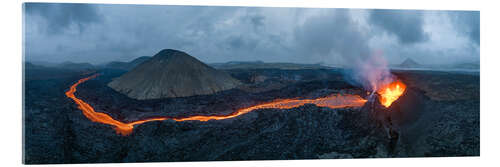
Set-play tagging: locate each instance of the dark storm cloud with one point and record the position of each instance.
(467, 23)
(248, 40)
(62, 15)
(334, 32)
(100, 33)
(406, 25)
(257, 20)
(239, 42)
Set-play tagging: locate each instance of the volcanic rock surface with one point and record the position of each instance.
(419, 124)
(172, 73)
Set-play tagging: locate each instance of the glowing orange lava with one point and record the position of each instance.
(391, 92)
(335, 101)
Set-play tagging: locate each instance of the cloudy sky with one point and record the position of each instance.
(102, 33)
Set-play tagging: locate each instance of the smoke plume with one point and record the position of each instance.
(369, 71)
(363, 66)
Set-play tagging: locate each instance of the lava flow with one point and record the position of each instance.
(334, 101)
(391, 92)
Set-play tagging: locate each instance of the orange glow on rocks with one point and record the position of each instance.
(88, 111)
(335, 101)
(391, 92)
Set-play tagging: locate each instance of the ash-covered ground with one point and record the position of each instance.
(437, 116)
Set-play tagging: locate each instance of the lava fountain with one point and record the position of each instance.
(391, 92)
(332, 101)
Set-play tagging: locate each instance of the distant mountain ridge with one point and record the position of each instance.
(76, 66)
(410, 63)
(127, 65)
(264, 65)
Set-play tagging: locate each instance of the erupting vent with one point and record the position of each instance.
(391, 92)
(388, 94)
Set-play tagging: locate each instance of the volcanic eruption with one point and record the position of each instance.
(172, 73)
(123, 128)
(391, 92)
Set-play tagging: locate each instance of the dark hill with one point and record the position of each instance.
(410, 63)
(172, 73)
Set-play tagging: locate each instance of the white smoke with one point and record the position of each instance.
(371, 71)
(363, 66)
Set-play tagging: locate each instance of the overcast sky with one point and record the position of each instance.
(103, 33)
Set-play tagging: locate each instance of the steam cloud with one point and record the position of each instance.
(370, 71)
(349, 41)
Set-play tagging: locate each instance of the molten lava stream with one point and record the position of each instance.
(335, 101)
(391, 92)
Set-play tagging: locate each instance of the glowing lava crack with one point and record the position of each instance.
(335, 101)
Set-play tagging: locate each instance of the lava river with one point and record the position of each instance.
(333, 101)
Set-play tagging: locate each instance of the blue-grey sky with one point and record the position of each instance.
(99, 33)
